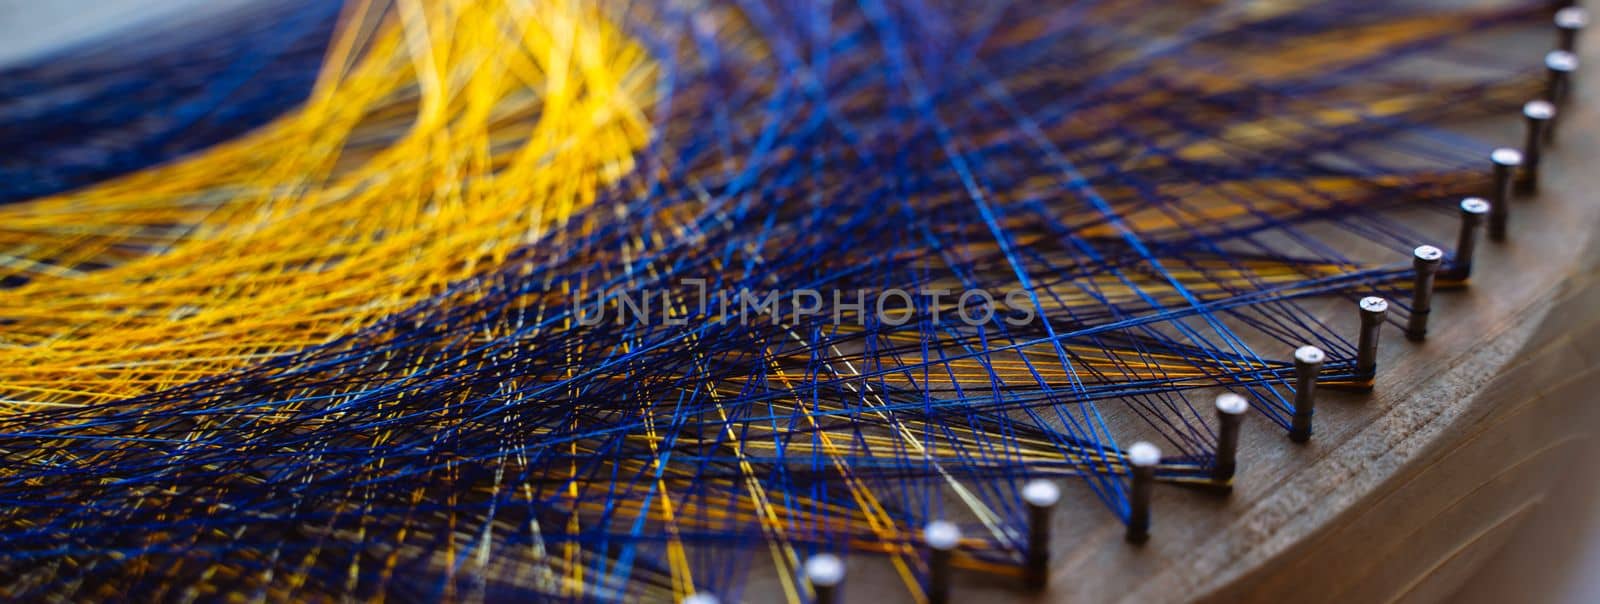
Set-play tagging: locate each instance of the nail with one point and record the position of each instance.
(1570, 21)
(1538, 114)
(1473, 210)
(1307, 363)
(1041, 497)
(1373, 310)
(1505, 160)
(1142, 459)
(1230, 416)
(825, 572)
(941, 538)
(1558, 65)
(1425, 264)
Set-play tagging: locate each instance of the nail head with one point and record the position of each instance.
(1232, 404)
(1143, 454)
(1041, 493)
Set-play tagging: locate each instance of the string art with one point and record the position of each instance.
(428, 300)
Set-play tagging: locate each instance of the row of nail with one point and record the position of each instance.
(825, 573)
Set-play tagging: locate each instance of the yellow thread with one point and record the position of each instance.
(396, 178)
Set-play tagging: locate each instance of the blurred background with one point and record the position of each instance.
(29, 28)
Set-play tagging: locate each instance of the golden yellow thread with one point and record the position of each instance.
(465, 130)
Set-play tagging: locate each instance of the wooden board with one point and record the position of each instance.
(1402, 492)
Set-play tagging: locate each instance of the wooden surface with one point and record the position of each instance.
(1403, 492)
